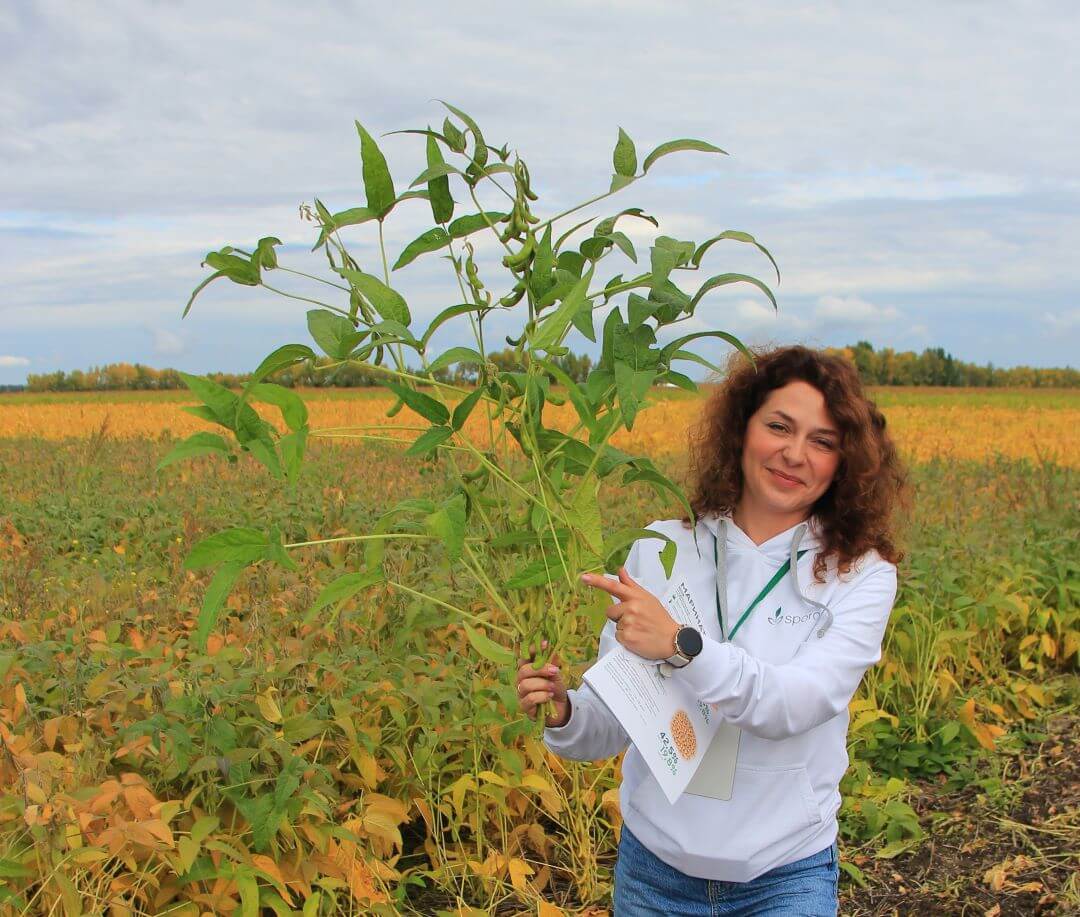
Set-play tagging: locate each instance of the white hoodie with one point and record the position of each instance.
(785, 686)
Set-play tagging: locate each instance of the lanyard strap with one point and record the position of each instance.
(779, 575)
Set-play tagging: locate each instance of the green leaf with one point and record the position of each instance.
(342, 588)
(488, 648)
(448, 524)
(667, 557)
(618, 182)
(442, 204)
(264, 254)
(293, 410)
(220, 401)
(444, 316)
(429, 440)
(285, 356)
(480, 151)
(553, 327)
(336, 336)
(387, 302)
(738, 237)
(220, 586)
(430, 241)
(683, 382)
(464, 408)
(723, 279)
(606, 225)
(585, 514)
(536, 573)
(625, 156)
(237, 269)
(675, 146)
(663, 261)
(456, 355)
(237, 545)
(439, 170)
(674, 349)
(292, 452)
(644, 470)
(378, 185)
(424, 405)
(354, 216)
(472, 222)
(195, 445)
(585, 411)
(616, 541)
(10, 869)
(202, 286)
(632, 386)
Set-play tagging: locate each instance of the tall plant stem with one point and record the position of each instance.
(460, 611)
(473, 566)
(381, 535)
(587, 203)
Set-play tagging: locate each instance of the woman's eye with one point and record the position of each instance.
(825, 443)
(776, 426)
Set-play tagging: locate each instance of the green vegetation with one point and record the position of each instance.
(292, 736)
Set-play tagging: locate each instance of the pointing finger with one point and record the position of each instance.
(626, 579)
(618, 589)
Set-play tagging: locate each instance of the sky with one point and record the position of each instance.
(912, 166)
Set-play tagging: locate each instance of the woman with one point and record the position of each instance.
(795, 487)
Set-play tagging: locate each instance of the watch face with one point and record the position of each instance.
(688, 641)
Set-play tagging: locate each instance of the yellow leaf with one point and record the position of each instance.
(268, 708)
(549, 910)
(1049, 646)
(265, 864)
(492, 777)
(519, 872)
(536, 782)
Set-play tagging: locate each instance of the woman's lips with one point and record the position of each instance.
(784, 479)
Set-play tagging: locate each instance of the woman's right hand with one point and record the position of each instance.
(539, 686)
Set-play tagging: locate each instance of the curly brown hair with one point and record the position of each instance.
(858, 510)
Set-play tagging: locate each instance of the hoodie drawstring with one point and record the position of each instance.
(721, 573)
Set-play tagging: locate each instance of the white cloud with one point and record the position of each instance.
(870, 180)
(7, 361)
(1062, 321)
(852, 309)
(167, 343)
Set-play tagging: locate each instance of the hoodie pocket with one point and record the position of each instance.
(783, 797)
(771, 811)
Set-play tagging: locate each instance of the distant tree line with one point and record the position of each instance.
(876, 367)
(936, 367)
(137, 377)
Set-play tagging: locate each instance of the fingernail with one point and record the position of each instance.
(585, 577)
(543, 645)
(552, 669)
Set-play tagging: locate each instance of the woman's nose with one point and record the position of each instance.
(795, 451)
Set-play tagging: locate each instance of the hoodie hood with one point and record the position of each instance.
(778, 548)
(803, 536)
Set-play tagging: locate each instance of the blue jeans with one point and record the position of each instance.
(647, 887)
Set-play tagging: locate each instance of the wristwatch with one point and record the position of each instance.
(688, 644)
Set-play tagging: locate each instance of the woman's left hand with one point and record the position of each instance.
(642, 624)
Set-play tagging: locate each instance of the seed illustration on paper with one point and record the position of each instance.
(682, 733)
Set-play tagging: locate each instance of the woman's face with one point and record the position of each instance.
(791, 450)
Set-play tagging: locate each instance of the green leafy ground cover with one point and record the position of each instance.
(351, 758)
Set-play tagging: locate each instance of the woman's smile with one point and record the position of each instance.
(783, 480)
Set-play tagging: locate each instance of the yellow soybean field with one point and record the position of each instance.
(926, 422)
(362, 760)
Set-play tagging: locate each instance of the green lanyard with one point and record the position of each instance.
(779, 575)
